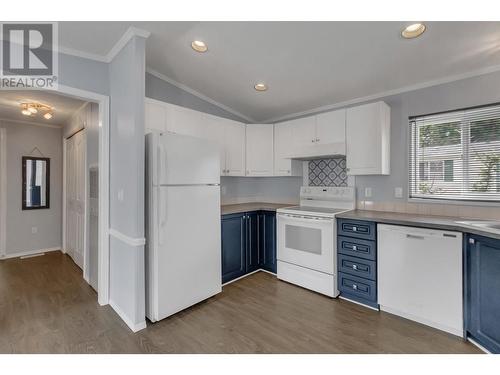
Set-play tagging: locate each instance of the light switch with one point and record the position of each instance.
(368, 192)
(398, 192)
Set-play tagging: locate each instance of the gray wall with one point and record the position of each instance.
(21, 139)
(159, 89)
(126, 74)
(83, 74)
(455, 95)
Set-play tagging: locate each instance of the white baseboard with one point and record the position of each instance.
(134, 327)
(475, 343)
(358, 303)
(30, 252)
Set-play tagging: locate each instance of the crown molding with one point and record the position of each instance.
(188, 89)
(129, 34)
(117, 47)
(382, 94)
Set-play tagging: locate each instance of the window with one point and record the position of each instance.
(456, 155)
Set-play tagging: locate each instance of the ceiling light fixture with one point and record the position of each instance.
(29, 109)
(199, 46)
(260, 87)
(413, 31)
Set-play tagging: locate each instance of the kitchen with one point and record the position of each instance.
(265, 193)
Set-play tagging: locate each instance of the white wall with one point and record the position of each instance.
(127, 273)
(260, 189)
(21, 139)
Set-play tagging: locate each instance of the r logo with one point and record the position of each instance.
(27, 49)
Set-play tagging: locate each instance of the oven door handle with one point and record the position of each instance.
(311, 218)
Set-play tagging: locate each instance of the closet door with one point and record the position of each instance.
(75, 192)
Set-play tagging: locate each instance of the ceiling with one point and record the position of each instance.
(63, 106)
(305, 64)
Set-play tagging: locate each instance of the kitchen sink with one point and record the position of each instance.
(491, 225)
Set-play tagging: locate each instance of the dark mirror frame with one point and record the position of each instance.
(47, 181)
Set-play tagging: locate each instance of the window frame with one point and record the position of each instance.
(465, 158)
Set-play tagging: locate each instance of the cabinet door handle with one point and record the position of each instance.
(354, 267)
(312, 140)
(472, 241)
(354, 286)
(317, 139)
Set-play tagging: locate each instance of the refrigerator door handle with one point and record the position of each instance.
(162, 214)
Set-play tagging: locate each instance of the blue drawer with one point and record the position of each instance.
(357, 267)
(357, 248)
(355, 228)
(357, 287)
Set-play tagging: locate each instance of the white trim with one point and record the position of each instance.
(134, 327)
(382, 94)
(269, 272)
(19, 254)
(134, 242)
(188, 89)
(82, 54)
(104, 128)
(358, 303)
(53, 126)
(475, 343)
(241, 277)
(3, 191)
(63, 248)
(129, 34)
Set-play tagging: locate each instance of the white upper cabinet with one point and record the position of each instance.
(214, 130)
(235, 148)
(184, 121)
(283, 137)
(155, 116)
(318, 136)
(259, 150)
(303, 134)
(368, 139)
(330, 127)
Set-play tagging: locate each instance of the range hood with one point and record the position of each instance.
(316, 151)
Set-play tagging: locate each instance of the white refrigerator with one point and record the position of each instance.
(183, 225)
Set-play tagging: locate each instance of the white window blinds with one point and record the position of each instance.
(456, 155)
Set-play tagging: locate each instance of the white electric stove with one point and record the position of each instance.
(307, 251)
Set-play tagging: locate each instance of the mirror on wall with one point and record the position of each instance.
(36, 183)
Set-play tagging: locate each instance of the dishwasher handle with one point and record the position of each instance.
(415, 237)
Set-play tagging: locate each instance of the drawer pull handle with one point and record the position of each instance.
(354, 247)
(354, 267)
(354, 229)
(354, 286)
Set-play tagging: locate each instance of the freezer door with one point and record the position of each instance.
(189, 247)
(184, 160)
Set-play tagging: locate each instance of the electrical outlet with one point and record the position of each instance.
(398, 192)
(34, 230)
(368, 192)
(223, 190)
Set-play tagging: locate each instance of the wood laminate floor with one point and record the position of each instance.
(46, 307)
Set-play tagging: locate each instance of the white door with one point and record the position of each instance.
(235, 148)
(303, 133)
(330, 127)
(307, 241)
(75, 205)
(155, 117)
(188, 256)
(184, 121)
(259, 149)
(214, 130)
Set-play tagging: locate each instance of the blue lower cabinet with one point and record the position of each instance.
(267, 240)
(253, 259)
(482, 289)
(359, 289)
(233, 246)
(248, 243)
(357, 261)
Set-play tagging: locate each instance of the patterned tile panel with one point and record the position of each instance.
(327, 172)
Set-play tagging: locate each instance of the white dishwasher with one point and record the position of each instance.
(420, 275)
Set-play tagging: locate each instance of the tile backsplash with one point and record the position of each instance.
(327, 172)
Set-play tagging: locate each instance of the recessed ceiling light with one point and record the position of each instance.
(413, 31)
(260, 87)
(199, 46)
